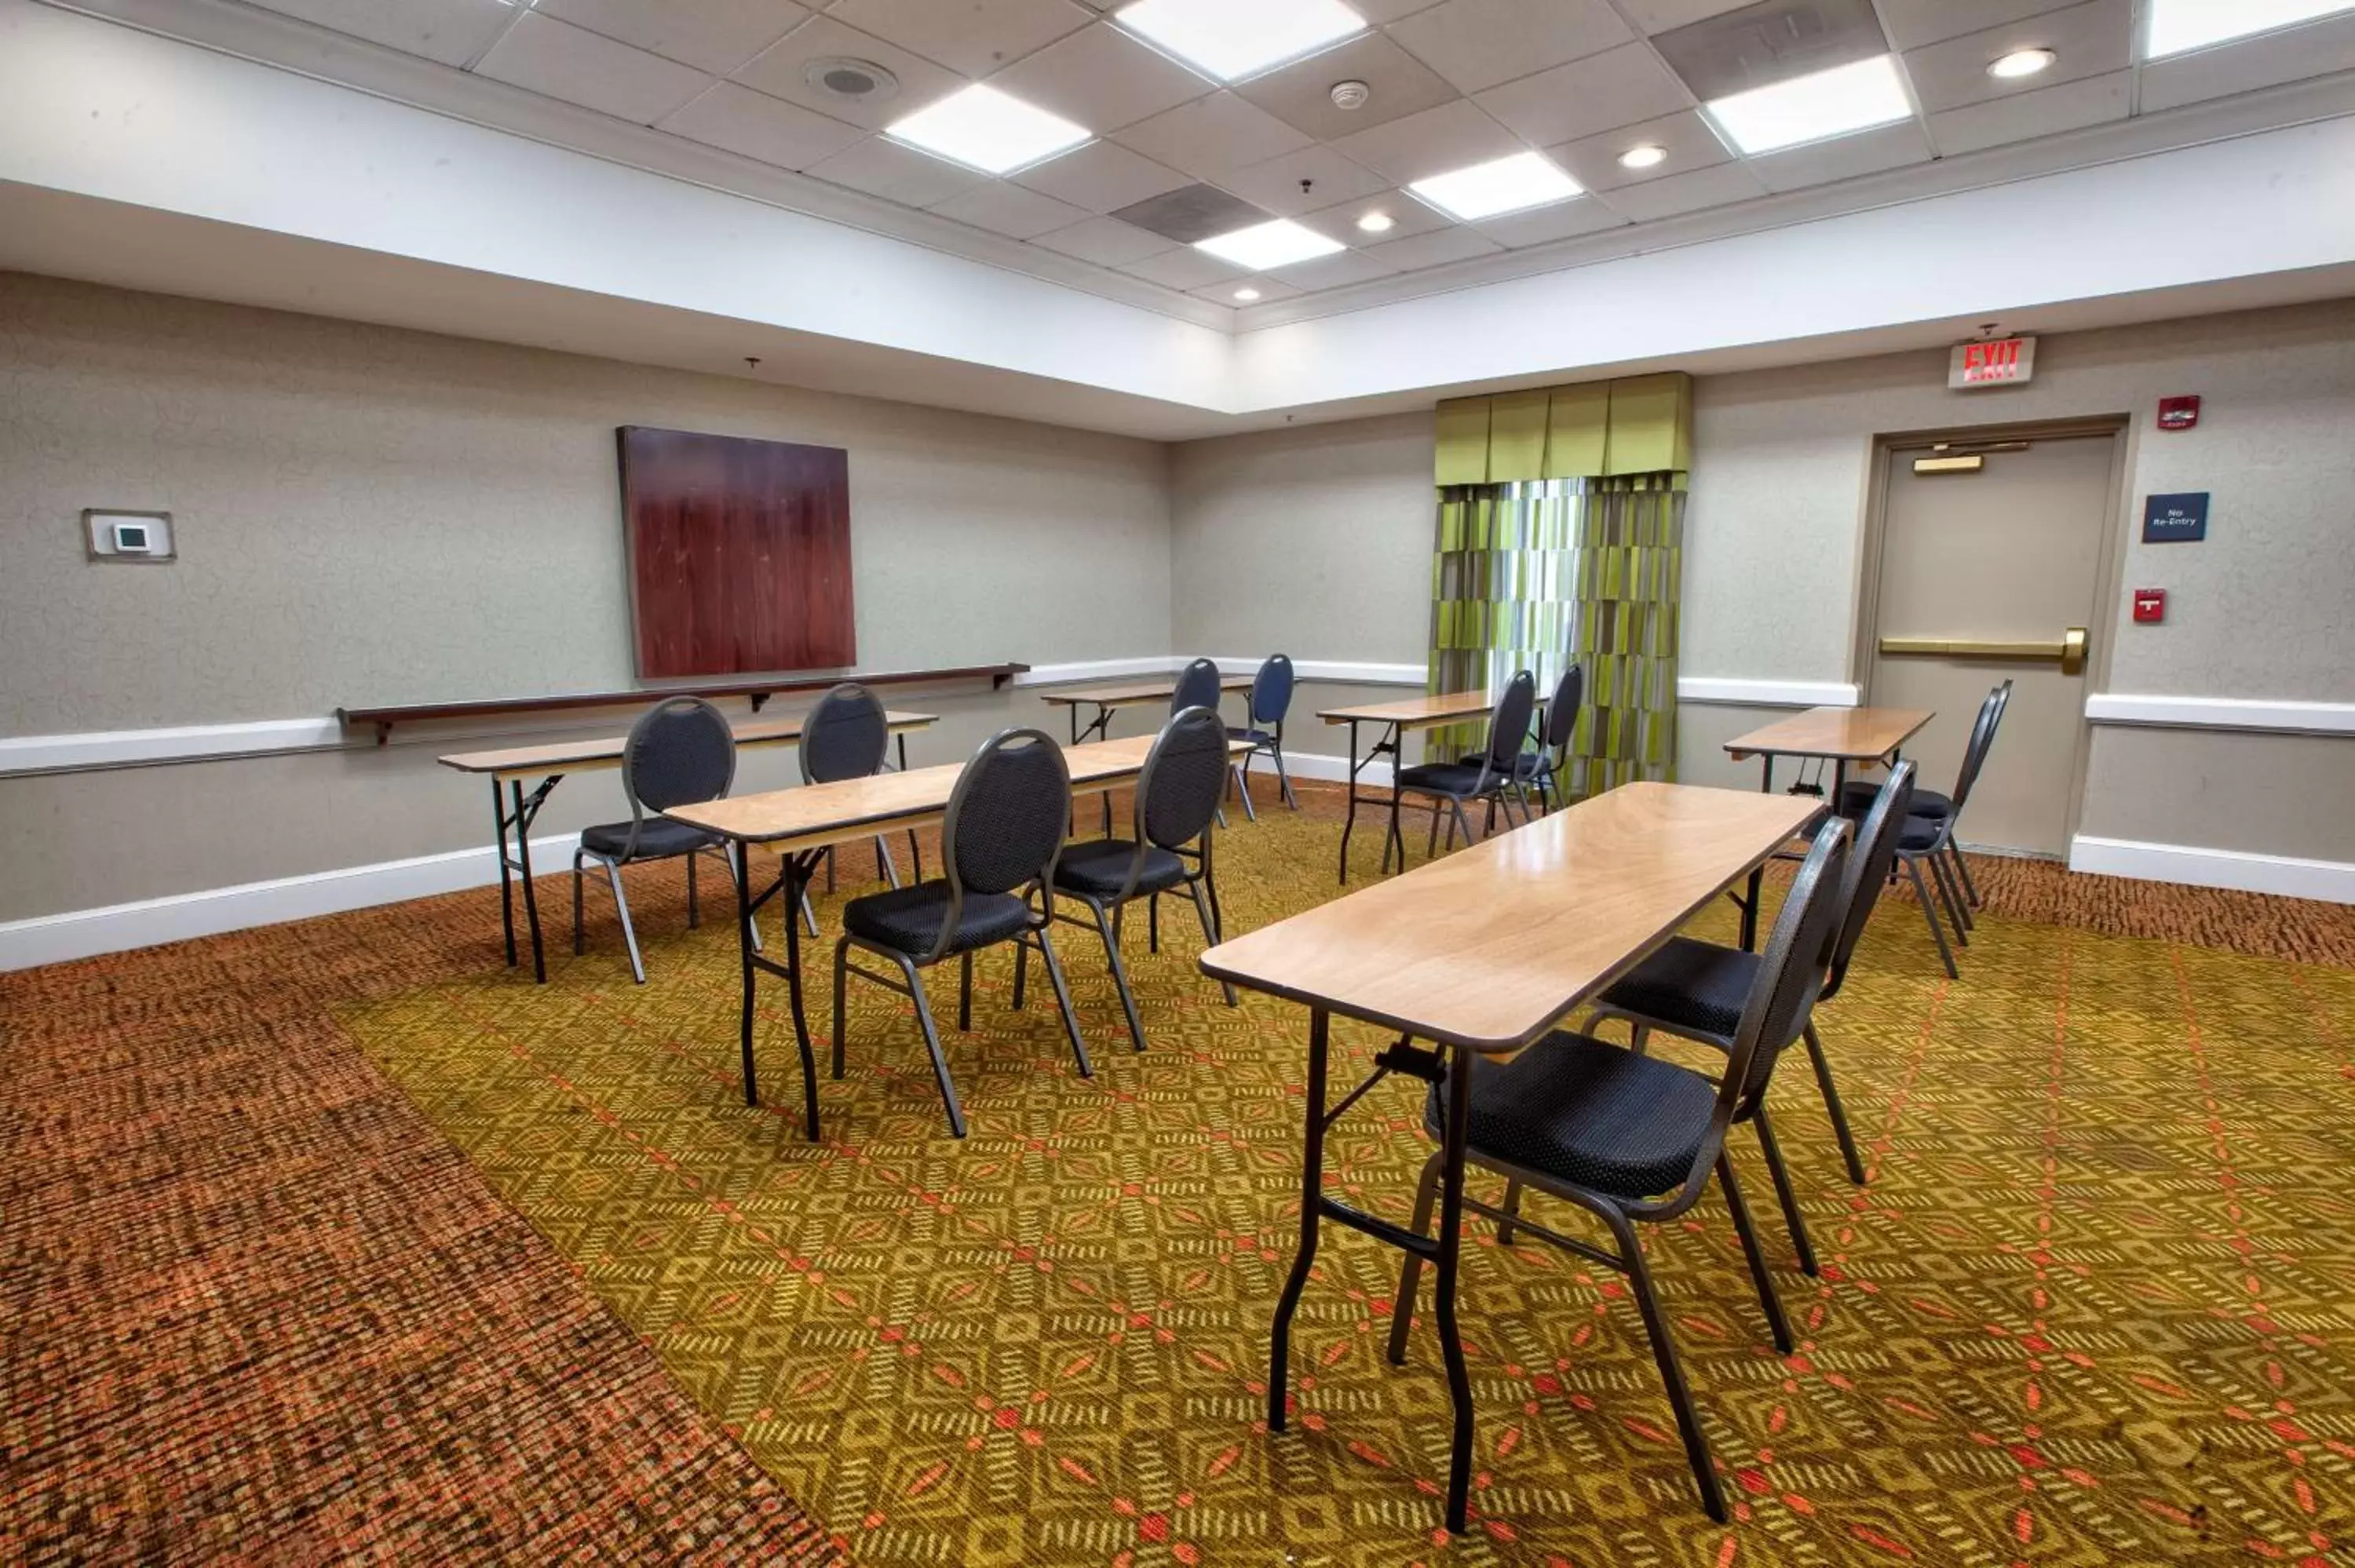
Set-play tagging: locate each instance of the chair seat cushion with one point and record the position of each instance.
(1587, 1113)
(1919, 834)
(1691, 985)
(659, 838)
(907, 919)
(1858, 795)
(1455, 779)
(1527, 766)
(1101, 866)
(1256, 736)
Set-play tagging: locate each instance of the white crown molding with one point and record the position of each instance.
(2287, 876)
(300, 48)
(2284, 715)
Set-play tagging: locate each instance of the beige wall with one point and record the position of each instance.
(371, 516)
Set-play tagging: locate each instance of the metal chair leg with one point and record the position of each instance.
(1209, 931)
(915, 856)
(732, 858)
(1284, 780)
(629, 932)
(841, 984)
(1063, 1001)
(1461, 820)
(1664, 1352)
(1511, 1205)
(885, 866)
(1021, 970)
(1832, 1104)
(1411, 1269)
(694, 916)
(1119, 973)
(1430, 846)
(1948, 899)
(1963, 865)
(577, 939)
(932, 1045)
(1242, 784)
(1929, 913)
(964, 992)
(1153, 924)
(1776, 1324)
(809, 916)
(1963, 897)
(1784, 1194)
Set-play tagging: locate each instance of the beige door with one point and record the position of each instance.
(2002, 565)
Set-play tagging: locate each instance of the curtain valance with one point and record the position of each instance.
(1638, 424)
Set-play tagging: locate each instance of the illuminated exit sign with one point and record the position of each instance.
(2003, 362)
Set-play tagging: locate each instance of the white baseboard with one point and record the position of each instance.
(1323, 766)
(2329, 880)
(119, 927)
(2222, 713)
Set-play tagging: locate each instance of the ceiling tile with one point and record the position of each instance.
(1477, 43)
(1106, 241)
(1408, 217)
(777, 72)
(1213, 136)
(2047, 111)
(1433, 249)
(1721, 186)
(1665, 15)
(1563, 220)
(1101, 79)
(1578, 100)
(1184, 267)
(451, 31)
(1101, 176)
(1914, 23)
(1843, 157)
(1276, 185)
(1190, 213)
(1269, 290)
(1337, 271)
(883, 167)
(588, 68)
(1593, 162)
(974, 36)
(769, 129)
(2089, 40)
(1381, 13)
(1003, 208)
(1301, 94)
(1774, 41)
(1452, 136)
(716, 36)
(2294, 53)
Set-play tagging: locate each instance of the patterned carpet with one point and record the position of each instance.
(2097, 1306)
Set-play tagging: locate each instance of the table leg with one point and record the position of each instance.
(506, 871)
(1311, 1192)
(523, 816)
(1349, 815)
(746, 907)
(796, 876)
(793, 875)
(915, 848)
(1758, 873)
(1455, 1137)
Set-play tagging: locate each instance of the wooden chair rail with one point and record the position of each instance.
(760, 690)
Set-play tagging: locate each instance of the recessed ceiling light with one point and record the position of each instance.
(1650, 155)
(1377, 223)
(2180, 24)
(1834, 102)
(1233, 38)
(1246, 295)
(1508, 185)
(1264, 246)
(985, 129)
(2020, 63)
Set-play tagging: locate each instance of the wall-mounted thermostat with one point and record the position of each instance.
(128, 535)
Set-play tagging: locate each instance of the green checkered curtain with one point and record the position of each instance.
(1630, 569)
(1504, 577)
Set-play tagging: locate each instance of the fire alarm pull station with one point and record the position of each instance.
(2178, 413)
(2150, 606)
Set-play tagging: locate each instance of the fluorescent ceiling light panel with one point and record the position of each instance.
(1264, 246)
(985, 129)
(1836, 102)
(2177, 25)
(1229, 39)
(1508, 185)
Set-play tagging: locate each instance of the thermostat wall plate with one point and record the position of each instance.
(141, 537)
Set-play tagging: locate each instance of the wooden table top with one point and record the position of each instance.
(605, 751)
(814, 815)
(1415, 713)
(1131, 695)
(1488, 947)
(1849, 734)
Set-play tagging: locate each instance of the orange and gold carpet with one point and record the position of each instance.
(2096, 1307)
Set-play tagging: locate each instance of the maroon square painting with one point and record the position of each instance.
(739, 554)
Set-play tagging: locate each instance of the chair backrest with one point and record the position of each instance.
(680, 752)
(1198, 687)
(1561, 712)
(1007, 817)
(1177, 794)
(1509, 726)
(1875, 851)
(1271, 695)
(845, 736)
(1982, 737)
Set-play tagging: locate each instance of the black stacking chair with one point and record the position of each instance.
(1857, 799)
(1557, 722)
(1006, 824)
(1487, 779)
(1176, 797)
(679, 753)
(1633, 1138)
(1929, 840)
(1271, 699)
(1698, 990)
(1198, 686)
(847, 735)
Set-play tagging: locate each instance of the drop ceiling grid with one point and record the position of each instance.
(1455, 82)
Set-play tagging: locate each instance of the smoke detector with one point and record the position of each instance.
(1348, 95)
(851, 80)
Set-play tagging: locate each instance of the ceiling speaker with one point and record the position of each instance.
(851, 80)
